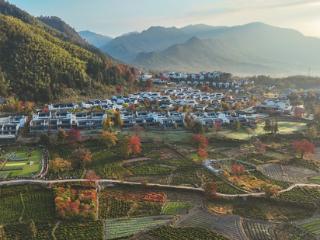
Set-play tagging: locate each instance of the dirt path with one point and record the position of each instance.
(54, 230)
(169, 187)
(23, 208)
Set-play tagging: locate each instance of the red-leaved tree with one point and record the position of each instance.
(237, 169)
(202, 153)
(202, 144)
(303, 147)
(134, 145)
(74, 135)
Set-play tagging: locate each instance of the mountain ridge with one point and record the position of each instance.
(257, 47)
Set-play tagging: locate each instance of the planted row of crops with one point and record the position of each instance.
(149, 169)
(312, 227)
(258, 230)
(38, 206)
(80, 230)
(299, 195)
(10, 209)
(170, 233)
(28, 202)
(64, 230)
(120, 228)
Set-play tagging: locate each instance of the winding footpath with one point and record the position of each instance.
(172, 187)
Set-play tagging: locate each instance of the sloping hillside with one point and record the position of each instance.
(39, 63)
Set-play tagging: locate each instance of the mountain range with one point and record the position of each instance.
(44, 59)
(250, 49)
(95, 39)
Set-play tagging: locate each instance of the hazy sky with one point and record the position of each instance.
(115, 17)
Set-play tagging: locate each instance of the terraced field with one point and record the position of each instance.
(287, 173)
(302, 195)
(124, 227)
(259, 230)
(230, 226)
(312, 226)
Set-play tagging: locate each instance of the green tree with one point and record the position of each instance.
(4, 85)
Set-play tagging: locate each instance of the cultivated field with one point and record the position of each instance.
(287, 173)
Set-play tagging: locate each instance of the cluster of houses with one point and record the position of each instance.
(55, 120)
(214, 79)
(203, 107)
(9, 126)
(91, 114)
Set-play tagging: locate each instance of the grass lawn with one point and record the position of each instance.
(284, 128)
(25, 168)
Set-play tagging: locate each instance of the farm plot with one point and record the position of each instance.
(312, 226)
(287, 173)
(38, 206)
(18, 231)
(302, 195)
(24, 206)
(125, 227)
(229, 226)
(261, 209)
(10, 209)
(80, 230)
(31, 230)
(315, 180)
(259, 230)
(170, 233)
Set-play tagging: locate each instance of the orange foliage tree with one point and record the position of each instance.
(59, 165)
(109, 138)
(134, 145)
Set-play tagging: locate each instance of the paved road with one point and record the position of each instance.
(108, 181)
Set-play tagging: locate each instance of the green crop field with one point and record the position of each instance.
(312, 226)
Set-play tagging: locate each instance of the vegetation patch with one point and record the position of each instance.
(75, 203)
(189, 233)
(174, 208)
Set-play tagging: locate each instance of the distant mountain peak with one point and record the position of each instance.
(95, 39)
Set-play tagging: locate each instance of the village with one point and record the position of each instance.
(205, 99)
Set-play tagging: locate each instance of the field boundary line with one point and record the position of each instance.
(53, 231)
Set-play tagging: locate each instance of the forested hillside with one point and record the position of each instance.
(38, 63)
(64, 28)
